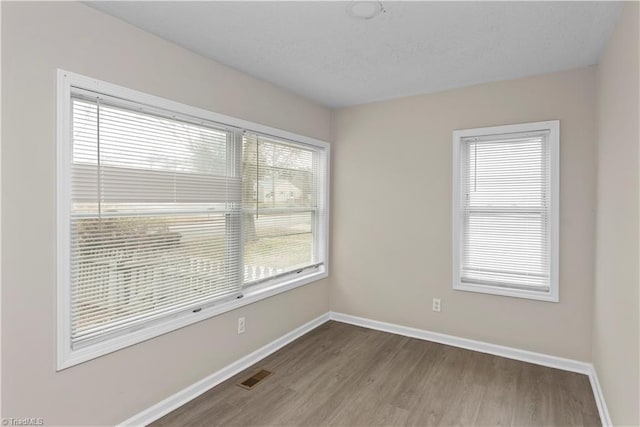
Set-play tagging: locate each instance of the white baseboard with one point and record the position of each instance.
(605, 418)
(484, 347)
(183, 396)
(180, 398)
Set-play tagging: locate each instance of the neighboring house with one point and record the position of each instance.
(277, 190)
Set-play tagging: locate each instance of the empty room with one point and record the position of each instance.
(320, 213)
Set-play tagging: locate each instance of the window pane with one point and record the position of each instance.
(281, 243)
(131, 267)
(506, 173)
(155, 218)
(505, 186)
(504, 247)
(278, 175)
(144, 141)
(280, 204)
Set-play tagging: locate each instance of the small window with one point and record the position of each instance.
(505, 210)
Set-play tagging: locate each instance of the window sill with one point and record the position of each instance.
(251, 295)
(548, 296)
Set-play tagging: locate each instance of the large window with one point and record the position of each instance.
(170, 214)
(505, 210)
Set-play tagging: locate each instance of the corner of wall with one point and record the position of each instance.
(615, 327)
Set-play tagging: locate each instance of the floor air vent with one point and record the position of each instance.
(254, 379)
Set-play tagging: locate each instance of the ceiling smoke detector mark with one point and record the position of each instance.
(365, 10)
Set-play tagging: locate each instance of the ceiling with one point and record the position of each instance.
(318, 51)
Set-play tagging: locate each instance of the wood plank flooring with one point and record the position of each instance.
(344, 375)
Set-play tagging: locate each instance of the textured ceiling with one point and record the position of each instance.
(317, 50)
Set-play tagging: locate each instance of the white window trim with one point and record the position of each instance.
(66, 357)
(553, 127)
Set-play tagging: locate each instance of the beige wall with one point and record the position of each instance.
(392, 212)
(615, 337)
(37, 39)
(391, 215)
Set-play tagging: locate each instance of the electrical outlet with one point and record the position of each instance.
(436, 304)
(241, 325)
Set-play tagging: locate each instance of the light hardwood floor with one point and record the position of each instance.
(344, 375)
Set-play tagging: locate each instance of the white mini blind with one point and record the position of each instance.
(505, 211)
(155, 215)
(282, 207)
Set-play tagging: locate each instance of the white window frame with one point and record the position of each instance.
(553, 127)
(66, 356)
